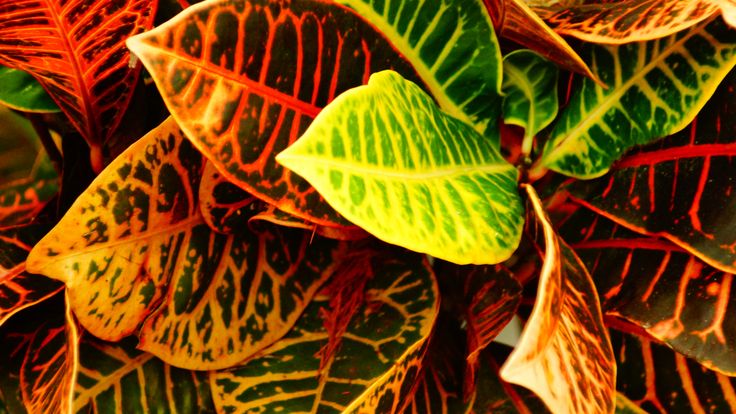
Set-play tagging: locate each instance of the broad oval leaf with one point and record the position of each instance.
(564, 354)
(82, 63)
(134, 246)
(668, 189)
(248, 87)
(454, 48)
(20, 91)
(654, 89)
(391, 162)
(373, 370)
(625, 21)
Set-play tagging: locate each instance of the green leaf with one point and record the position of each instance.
(452, 46)
(373, 370)
(530, 89)
(655, 88)
(19, 90)
(385, 157)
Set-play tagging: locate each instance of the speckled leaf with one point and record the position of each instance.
(668, 189)
(452, 45)
(20, 91)
(564, 354)
(80, 61)
(655, 88)
(373, 370)
(244, 79)
(625, 21)
(391, 162)
(135, 247)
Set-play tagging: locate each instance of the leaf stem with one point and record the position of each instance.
(527, 144)
(46, 140)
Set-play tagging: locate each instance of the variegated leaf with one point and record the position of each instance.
(654, 89)
(135, 247)
(373, 370)
(454, 49)
(564, 354)
(80, 61)
(20, 91)
(271, 214)
(243, 95)
(391, 162)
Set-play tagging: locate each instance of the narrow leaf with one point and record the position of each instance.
(654, 89)
(391, 162)
(373, 370)
(564, 354)
(80, 61)
(20, 91)
(250, 84)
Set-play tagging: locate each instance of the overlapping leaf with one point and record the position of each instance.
(374, 368)
(661, 381)
(454, 49)
(655, 88)
(134, 246)
(19, 90)
(681, 188)
(249, 85)
(391, 162)
(564, 354)
(80, 61)
(674, 296)
(624, 21)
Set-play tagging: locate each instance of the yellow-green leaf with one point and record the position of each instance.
(386, 158)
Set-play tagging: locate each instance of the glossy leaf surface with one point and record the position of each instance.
(134, 246)
(625, 21)
(564, 354)
(530, 89)
(452, 45)
(675, 297)
(375, 366)
(82, 63)
(391, 162)
(20, 91)
(655, 88)
(243, 95)
(681, 188)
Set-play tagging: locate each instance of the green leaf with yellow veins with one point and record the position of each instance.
(530, 89)
(138, 257)
(386, 158)
(655, 88)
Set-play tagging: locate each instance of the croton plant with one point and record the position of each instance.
(274, 206)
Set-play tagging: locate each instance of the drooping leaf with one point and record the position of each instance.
(452, 45)
(116, 377)
(671, 294)
(670, 188)
(391, 162)
(243, 95)
(135, 247)
(625, 21)
(530, 89)
(374, 368)
(80, 61)
(28, 179)
(661, 381)
(564, 354)
(655, 88)
(20, 91)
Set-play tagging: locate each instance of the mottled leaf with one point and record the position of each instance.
(374, 368)
(391, 162)
(681, 188)
(20, 91)
(135, 247)
(454, 49)
(225, 206)
(80, 61)
(654, 89)
(564, 354)
(244, 79)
